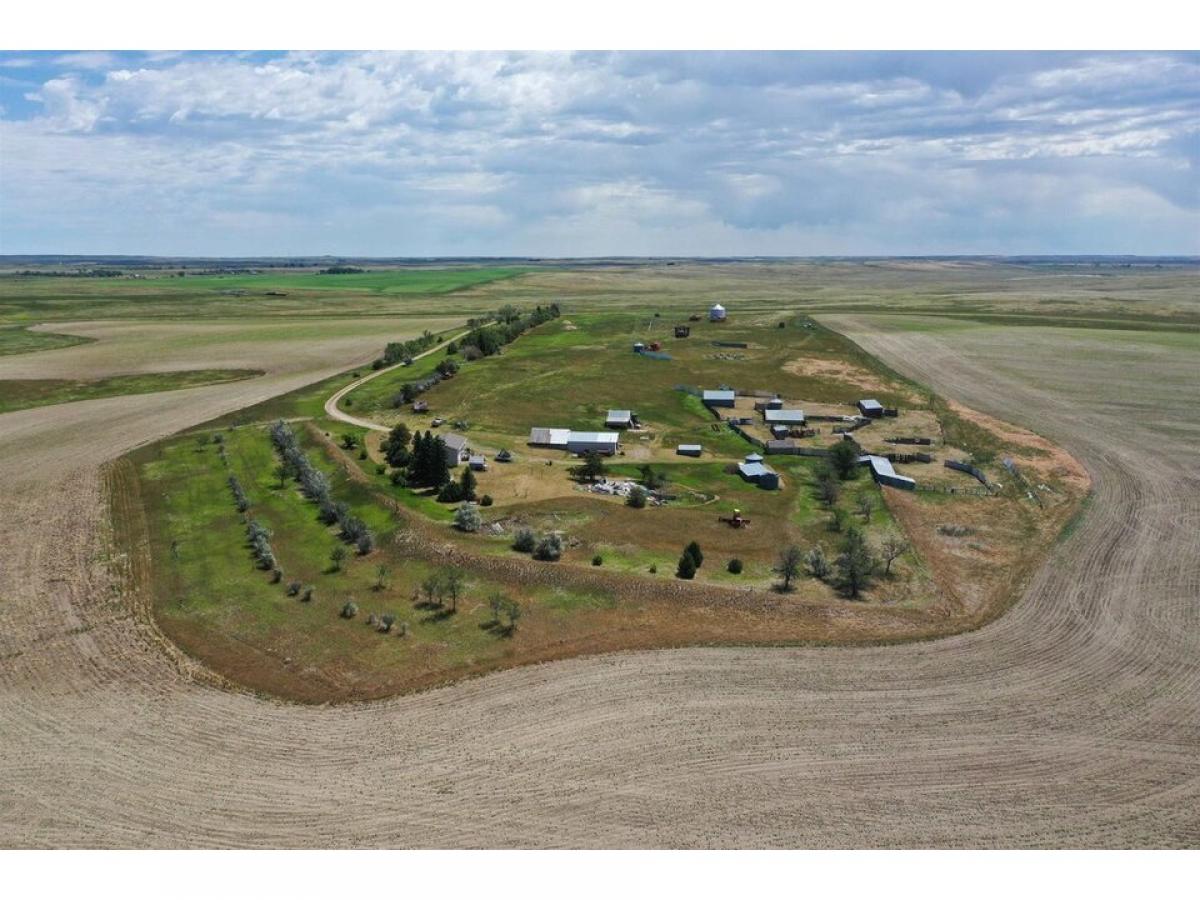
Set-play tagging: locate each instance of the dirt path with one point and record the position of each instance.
(1073, 720)
(331, 405)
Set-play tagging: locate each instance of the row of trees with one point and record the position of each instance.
(853, 570)
(260, 544)
(240, 500)
(405, 351)
(488, 340)
(314, 484)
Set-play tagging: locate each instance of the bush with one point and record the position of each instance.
(386, 621)
(337, 556)
(485, 500)
(307, 595)
(399, 478)
(693, 550)
(597, 560)
(467, 518)
(365, 543)
(816, 563)
(276, 575)
(653, 568)
(293, 588)
(637, 497)
(350, 610)
(549, 548)
(734, 567)
(524, 540)
(687, 567)
(451, 492)
(362, 454)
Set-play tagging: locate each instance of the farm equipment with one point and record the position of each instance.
(737, 520)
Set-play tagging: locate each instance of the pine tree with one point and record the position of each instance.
(693, 550)
(467, 484)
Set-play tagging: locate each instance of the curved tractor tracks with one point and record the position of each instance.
(1073, 720)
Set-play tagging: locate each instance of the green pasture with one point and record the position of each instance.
(26, 393)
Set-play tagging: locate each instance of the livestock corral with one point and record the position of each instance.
(1068, 721)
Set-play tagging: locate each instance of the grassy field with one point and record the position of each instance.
(19, 339)
(23, 394)
(31, 299)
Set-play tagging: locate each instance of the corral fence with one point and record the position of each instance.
(971, 470)
(947, 489)
(908, 457)
(919, 441)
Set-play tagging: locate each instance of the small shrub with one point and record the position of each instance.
(381, 469)
(734, 567)
(386, 622)
(816, 563)
(636, 497)
(597, 560)
(686, 568)
(524, 540)
(293, 588)
(365, 543)
(653, 568)
(399, 478)
(362, 454)
(307, 595)
(349, 610)
(337, 556)
(467, 518)
(276, 575)
(549, 548)
(486, 500)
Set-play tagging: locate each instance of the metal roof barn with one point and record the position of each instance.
(719, 398)
(784, 416)
(882, 471)
(598, 441)
(688, 450)
(549, 437)
(619, 418)
(871, 408)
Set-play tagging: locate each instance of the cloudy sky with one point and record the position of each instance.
(599, 154)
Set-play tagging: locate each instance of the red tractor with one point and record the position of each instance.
(737, 520)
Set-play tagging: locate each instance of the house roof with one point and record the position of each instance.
(754, 457)
(754, 469)
(477, 458)
(454, 441)
(870, 404)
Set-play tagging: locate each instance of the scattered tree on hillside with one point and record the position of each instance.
(892, 548)
(865, 506)
(591, 468)
(337, 556)
(856, 565)
(636, 497)
(524, 540)
(828, 489)
(453, 582)
(816, 563)
(549, 548)
(787, 565)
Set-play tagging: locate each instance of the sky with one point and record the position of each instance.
(599, 154)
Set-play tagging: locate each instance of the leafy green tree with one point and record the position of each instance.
(591, 468)
(734, 567)
(453, 582)
(524, 540)
(892, 548)
(349, 609)
(865, 507)
(636, 497)
(856, 564)
(828, 488)
(396, 447)
(337, 556)
(467, 518)
(843, 456)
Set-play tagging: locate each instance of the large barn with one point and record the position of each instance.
(549, 437)
(603, 442)
(787, 417)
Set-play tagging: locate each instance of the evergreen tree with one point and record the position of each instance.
(467, 484)
(693, 550)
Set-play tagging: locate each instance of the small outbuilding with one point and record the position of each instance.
(719, 398)
(620, 418)
(754, 470)
(688, 450)
(639, 347)
(420, 406)
(717, 313)
(682, 331)
(477, 462)
(872, 409)
(456, 446)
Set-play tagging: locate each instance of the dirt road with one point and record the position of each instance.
(331, 405)
(1072, 721)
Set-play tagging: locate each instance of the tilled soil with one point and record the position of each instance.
(1072, 721)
